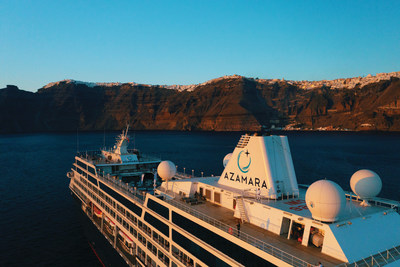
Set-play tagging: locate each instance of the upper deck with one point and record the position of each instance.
(277, 245)
(296, 205)
(287, 225)
(96, 158)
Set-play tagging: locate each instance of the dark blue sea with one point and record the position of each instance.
(41, 225)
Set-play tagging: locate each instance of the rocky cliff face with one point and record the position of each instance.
(225, 104)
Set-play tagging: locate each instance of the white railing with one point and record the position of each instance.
(95, 156)
(381, 202)
(392, 254)
(181, 175)
(276, 252)
(120, 186)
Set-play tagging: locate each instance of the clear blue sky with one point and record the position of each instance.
(185, 42)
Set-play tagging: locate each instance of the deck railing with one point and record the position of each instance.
(125, 188)
(379, 259)
(276, 252)
(95, 156)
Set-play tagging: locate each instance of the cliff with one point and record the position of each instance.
(228, 103)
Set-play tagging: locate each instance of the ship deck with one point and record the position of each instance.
(353, 208)
(309, 254)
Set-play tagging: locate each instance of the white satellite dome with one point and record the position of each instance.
(166, 170)
(366, 184)
(325, 199)
(226, 159)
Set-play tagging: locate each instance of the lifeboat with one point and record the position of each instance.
(126, 242)
(97, 211)
(109, 225)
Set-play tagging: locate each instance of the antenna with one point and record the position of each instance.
(127, 128)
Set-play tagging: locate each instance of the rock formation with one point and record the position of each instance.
(229, 103)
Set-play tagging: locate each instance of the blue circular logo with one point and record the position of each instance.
(246, 161)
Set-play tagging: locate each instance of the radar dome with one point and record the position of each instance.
(226, 159)
(325, 200)
(366, 184)
(166, 170)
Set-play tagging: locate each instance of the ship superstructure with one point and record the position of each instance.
(254, 214)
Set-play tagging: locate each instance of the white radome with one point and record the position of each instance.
(366, 184)
(325, 200)
(226, 159)
(166, 170)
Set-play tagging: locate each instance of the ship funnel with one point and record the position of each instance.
(262, 162)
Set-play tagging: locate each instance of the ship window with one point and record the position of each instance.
(131, 217)
(208, 194)
(142, 239)
(160, 240)
(196, 250)
(151, 262)
(145, 228)
(163, 258)
(119, 219)
(121, 209)
(141, 254)
(152, 248)
(217, 197)
(81, 164)
(125, 224)
(156, 223)
(158, 208)
(182, 257)
(229, 248)
(92, 180)
(131, 206)
(133, 231)
(92, 170)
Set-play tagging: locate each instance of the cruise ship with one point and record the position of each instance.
(254, 214)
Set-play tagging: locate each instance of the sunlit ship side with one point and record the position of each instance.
(254, 214)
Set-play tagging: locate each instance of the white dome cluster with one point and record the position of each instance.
(325, 199)
(166, 170)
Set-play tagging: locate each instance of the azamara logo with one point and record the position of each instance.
(244, 164)
(246, 180)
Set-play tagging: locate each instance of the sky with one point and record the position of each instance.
(190, 42)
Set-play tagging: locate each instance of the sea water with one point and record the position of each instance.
(41, 225)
